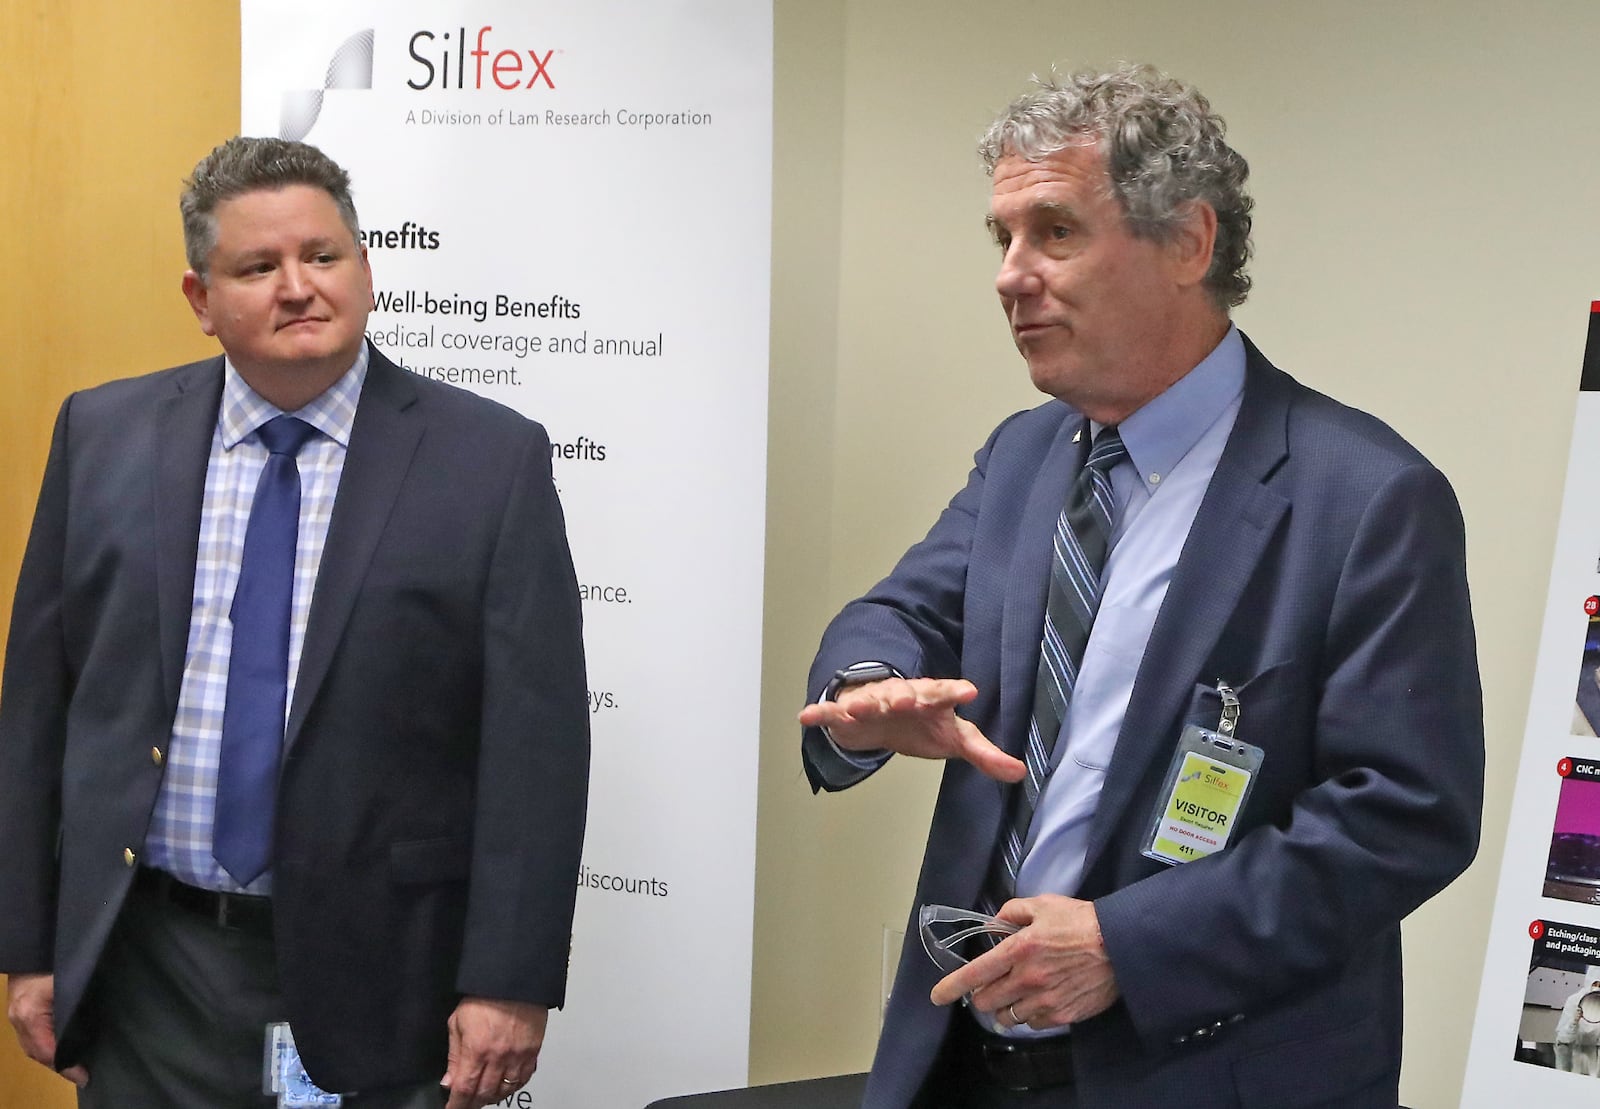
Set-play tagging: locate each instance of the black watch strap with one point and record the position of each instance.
(858, 673)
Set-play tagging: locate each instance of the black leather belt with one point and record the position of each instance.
(241, 912)
(1012, 1064)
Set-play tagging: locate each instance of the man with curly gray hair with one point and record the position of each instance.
(1194, 644)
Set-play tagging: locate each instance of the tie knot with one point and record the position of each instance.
(1107, 450)
(286, 435)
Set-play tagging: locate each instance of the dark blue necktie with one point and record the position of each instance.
(1083, 534)
(258, 664)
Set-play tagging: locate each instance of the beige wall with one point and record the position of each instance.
(1426, 249)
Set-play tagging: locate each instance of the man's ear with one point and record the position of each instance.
(1193, 241)
(366, 264)
(194, 290)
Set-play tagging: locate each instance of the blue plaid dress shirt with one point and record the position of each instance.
(179, 839)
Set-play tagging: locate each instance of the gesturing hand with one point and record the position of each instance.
(911, 716)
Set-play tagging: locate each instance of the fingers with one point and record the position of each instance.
(496, 1080)
(1068, 1001)
(890, 697)
(461, 1094)
(915, 695)
(987, 968)
(819, 714)
(36, 1038)
(467, 1078)
(981, 752)
(461, 1073)
(1021, 997)
(455, 1099)
(30, 1006)
(1023, 911)
(488, 1090)
(494, 1048)
(903, 694)
(1054, 971)
(500, 1076)
(78, 1076)
(909, 716)
(951, 988)
(1067, 919)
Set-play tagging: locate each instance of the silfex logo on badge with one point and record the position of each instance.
(441, 60)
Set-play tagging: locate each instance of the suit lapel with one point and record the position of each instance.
(383, 442)
(186, 422)
(960, 854)
(1022, 625)
(1237, 518)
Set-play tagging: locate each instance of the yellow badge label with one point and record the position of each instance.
(1200, 812)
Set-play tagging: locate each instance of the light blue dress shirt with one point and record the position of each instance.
(1173, 443)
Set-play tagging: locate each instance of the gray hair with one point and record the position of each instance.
(1163, 147)
(244, 165)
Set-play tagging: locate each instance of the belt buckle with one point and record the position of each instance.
(238, 912)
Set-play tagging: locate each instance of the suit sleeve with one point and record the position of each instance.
(33, 710)
(1391, 801)
(533, 763)
(912, 620)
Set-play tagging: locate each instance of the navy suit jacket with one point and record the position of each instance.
(434, 780)
(1324, 578)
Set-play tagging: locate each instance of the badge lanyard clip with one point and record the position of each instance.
(1230, 709)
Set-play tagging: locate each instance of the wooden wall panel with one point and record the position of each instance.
(104, 108)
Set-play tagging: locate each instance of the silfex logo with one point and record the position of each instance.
(507, 69)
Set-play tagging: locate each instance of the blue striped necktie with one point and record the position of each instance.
(1082, 537)
(258, 663)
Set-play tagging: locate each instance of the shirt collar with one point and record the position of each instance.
(333, 412)
(1159, 434)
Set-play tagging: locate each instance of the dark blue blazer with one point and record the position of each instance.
(1325, 579)
(433, 786)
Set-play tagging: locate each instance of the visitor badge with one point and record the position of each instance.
(286, 1076)
(1205, 789)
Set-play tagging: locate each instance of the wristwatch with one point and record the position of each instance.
(858, 673)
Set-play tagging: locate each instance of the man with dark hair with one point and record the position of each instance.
(1195, 644)
(294, 728)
